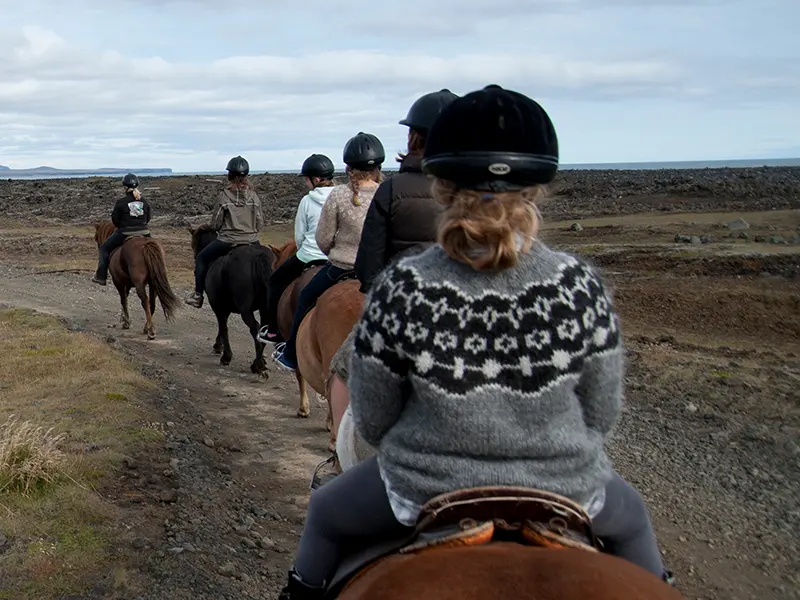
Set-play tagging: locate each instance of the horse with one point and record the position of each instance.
(321, 332)
(490, 543)
(139, 263)
(236, 283)
(504, 570)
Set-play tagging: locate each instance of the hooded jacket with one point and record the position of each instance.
(237, 216)
(305, 224)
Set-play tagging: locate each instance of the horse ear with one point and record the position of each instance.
(190, 229)
(96, 226)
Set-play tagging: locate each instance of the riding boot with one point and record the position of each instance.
(297, 590)
(101, 275)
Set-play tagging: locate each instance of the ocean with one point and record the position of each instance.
(636, 166)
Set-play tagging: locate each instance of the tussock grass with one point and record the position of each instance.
(69, 411)
(30, 458)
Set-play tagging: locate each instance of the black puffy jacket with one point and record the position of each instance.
(401, 220)
(130, 215)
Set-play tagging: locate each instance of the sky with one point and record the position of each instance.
(188, 84)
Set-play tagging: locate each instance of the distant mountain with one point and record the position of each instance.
(53, 172)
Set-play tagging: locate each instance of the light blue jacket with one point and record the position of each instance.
(305, 224)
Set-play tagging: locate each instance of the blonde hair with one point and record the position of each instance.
(485, 230)
(322, 182)
(137, 195)
(356, 177)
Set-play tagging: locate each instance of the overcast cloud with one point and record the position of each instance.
(188, 83)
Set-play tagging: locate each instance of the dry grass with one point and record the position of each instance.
(30, 458)
(75, 415)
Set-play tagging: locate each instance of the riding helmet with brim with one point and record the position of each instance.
(317, 165)
(492, 140)
(238, 166)
(364, 152)
(130, 181)
(426, 108)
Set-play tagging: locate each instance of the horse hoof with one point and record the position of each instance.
(225, 361)
(151, 336)
(126, 325)
(217, 350)
(303, 414)
(258, 367)
(264, 375)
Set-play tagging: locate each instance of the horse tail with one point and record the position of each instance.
(262, 270)
(157, 269)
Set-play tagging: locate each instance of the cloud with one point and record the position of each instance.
(183, 87)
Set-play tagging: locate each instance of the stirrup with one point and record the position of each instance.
(278, 350)
(316, 480)
(262, 335)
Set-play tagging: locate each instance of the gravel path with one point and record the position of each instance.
(709, 435)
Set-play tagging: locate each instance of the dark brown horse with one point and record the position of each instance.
(505, 571)
(139, 263)
(321, 332)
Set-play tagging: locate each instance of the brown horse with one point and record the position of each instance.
(321, 332)
(139, 263)
(506, 570)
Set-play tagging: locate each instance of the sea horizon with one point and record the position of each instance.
(619, 166)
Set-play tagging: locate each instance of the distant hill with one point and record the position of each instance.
(45, 171)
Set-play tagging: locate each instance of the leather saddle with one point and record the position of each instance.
(479, 516)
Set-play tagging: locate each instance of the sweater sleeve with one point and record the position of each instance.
(600, 388)
(379, 366)
(328, 224)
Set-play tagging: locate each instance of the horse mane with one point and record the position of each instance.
(283, 253)
(196, 232)
(103, 230)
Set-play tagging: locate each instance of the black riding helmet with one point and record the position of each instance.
(130, 181)
(364, 151)
(424, 111)
(238, 166)
(317, 165)
(492, 140)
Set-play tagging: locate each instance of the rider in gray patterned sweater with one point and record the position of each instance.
(489, 359)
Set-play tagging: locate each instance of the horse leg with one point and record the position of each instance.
(259, 365)
(304, 410)
(152, 310)
(141, 291)
(218, 344)
(124, 317)
(222, 338)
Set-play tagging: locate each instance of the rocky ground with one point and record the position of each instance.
(575, 194)
(709, 433)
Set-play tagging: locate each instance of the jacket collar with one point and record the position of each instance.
(411, 164)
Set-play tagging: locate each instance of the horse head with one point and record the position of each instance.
(202, 236)
(283, 253)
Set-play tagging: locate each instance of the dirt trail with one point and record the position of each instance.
(709, 431)
(242, 502)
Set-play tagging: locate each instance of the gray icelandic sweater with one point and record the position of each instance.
(464, 378)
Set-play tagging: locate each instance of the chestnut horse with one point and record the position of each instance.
(321, 332)
(139, 263)
(503, 571)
